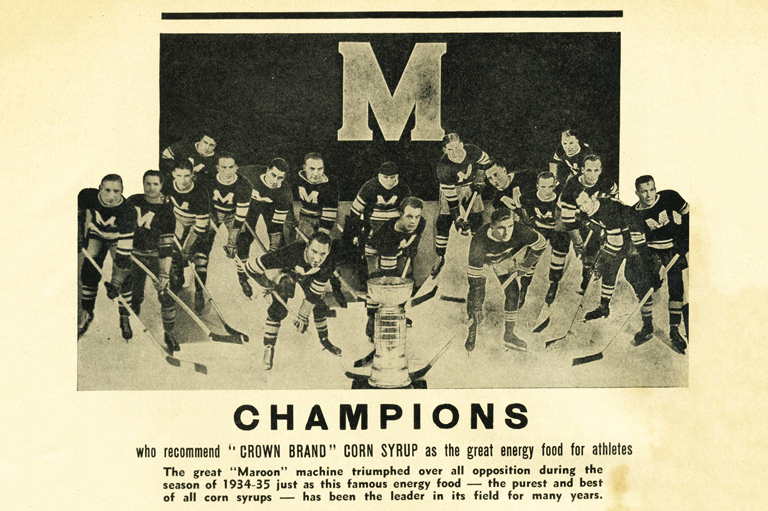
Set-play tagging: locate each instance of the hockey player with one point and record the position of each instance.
(568, 160)
(610, 218)
(510, 186)
(153, 246)
(271, 199)
(230, 197)
(200, 154)
(497, 245)
(191, 207)
(319, 195)
(661, 226)
(596, 187)
(307, 264)
(392, 247)
(461, 173)
(106, 223)
(377, 201)
(541, 212)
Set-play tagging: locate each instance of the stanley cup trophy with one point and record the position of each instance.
(390, 366)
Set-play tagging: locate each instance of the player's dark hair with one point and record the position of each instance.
(411, 202)
(183, 164)
(153, 173)
(205, 131)
(113, 178)
(450, 137)
(500, 214)
(280, 164)
(389, 168)
(313, 156)
(320, 237)
(545, 175)
(647, 178)
(592, 157)
(570, 132)
(226, 155)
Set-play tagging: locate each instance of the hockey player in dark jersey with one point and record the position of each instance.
(392, 247)
(153, 246)
(106, 223)
(568, 160)
(319, 195)
(596, 187)
(191, 207)
(230, 197)
(660, 230)
(510, 186)
(271, 199)
(509, 248)
(461, 173)
(200, 153)
(307, 264)
(377, 202)
(610, 218)
(540, 211)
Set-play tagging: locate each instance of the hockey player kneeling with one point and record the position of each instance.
(305, 263)
(497, 245)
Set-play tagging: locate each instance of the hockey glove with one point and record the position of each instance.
(302, 321)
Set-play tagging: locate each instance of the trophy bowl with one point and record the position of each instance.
(390, 290)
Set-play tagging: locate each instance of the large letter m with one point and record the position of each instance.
(419, 87)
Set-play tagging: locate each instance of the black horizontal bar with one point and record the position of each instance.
(386, 15)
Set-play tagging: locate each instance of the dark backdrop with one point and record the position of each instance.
(280, 95)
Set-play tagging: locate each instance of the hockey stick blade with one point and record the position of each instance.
(554, 343)
(243, 337)
(230, 339)
(356, 376)
(200, 368)
(544, 324)
(415, 302)
(366, 360)
(455, 299)
(585, 360)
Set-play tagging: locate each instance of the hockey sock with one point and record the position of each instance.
(270, 332)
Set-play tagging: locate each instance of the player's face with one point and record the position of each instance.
(502, 230)
(314, 169)
(410, 218)
(316, 253)
(110, 192)
(498, 177)
(570, 144)
(586, 204)
(182, 178)
(646, 192)
(205, 146)
(152, 187)
(388, 182)
(455, 151)
(546, 187)
(592, 170)
(226, 168)
(274, 178)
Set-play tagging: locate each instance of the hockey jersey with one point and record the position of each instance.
(191, 208)
(155, 224)
(521, 183)
(377, 204)
(110, 224)
(319, 200)
(542, 214)
(453, 175)
(232, 199)
(573, 188)
(390, 244)
(271, 203)
(570, 166)
(660, 225)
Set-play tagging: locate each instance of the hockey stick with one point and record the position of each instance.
(335, 272)
(545, 322)
(417, 375)
(417, 300)
(177, 362)
(231, 339)
(465, 213)
(229, 329)
(504, 285)
(554, 343)
(599, 355)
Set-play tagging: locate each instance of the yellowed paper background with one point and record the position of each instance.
(80, 99)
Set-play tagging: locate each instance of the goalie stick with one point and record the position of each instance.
(599, 355)
(174, 361)
(230, 339)
(227, 327)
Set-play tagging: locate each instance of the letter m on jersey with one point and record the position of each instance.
(663, 220)
(227, 199)
(419, 88)
(104, 223)
(309, 199)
